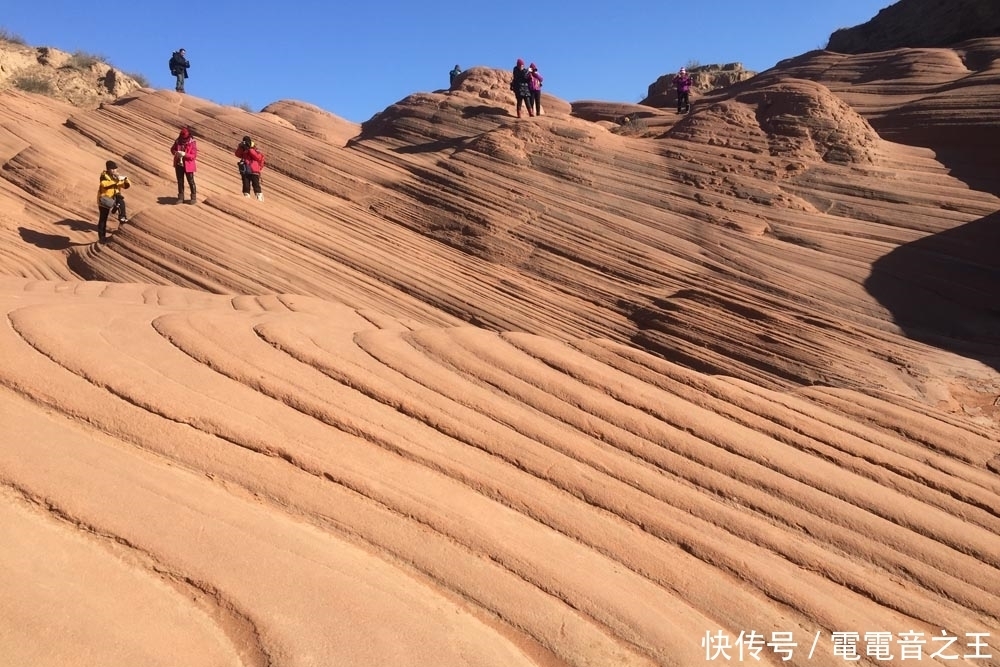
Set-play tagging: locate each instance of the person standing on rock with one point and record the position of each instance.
(179, 68)
(521, 86)
(682, 82)
(453, 76)
(251, 162)
(535, 86)
(109, 198)
(185, 152)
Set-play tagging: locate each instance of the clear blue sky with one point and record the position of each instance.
(356, 58)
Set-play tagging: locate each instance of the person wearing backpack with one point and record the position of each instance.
(250, 164)
(521, 87)
(453, 77)
(185, 152)
(179, 68)
(535, 85)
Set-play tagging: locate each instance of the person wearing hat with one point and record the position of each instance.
(683, 84)
(521, 86)
(109, 198)
(185, 152)
(250, 164)
(535, 86)
(179, 68)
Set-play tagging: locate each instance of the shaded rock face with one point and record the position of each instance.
(704, 79)
(920, 23)
(79, 79)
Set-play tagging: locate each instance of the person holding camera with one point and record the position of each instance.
(110, 198)
(185, 151)
(683, 84)
(535, 85)
(250, 164)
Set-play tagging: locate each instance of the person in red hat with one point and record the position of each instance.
(521, 86)
(185, 152)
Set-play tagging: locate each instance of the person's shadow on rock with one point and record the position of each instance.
(78, 225)
(46, 241)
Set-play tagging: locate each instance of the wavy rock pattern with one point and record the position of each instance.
(468, 390)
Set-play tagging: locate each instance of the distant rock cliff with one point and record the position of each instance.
(920, 23)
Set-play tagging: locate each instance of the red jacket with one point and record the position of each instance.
(190, 149)
(252, 157)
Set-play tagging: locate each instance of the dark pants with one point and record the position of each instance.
(536, 102)
(105, 211)
(682, 101)
(181, 175)
(180, 83)
(523, 94)
(251, 180)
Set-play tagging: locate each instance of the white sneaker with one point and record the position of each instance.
(260, 196)
(247, 195)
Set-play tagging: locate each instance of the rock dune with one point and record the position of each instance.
(466, 389)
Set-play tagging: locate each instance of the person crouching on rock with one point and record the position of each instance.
(185, 151)
(109, 198)
(250, 164)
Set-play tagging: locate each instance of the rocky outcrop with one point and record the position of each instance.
(920, 23)
(705, 78)
(82, 79)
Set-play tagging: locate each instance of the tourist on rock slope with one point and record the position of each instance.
(521, 86)
(179, 68)
(250, 164)
(535, 85)
(185, 151)
(453, 76)
(110, 198)
(683, 84)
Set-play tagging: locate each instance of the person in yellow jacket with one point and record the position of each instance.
(109, 197)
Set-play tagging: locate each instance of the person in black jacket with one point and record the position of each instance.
(179, 68)
(521, 85)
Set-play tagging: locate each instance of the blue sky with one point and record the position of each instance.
(358, 58)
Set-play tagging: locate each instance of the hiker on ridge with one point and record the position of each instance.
(522, 87)
(453, 76)
(683, 84)
(179, 68)
(535, 86)
(185, 152)
(250, 164)
(109, 198)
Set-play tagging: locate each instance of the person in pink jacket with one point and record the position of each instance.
(535, 84)
(185, 151)
(683, 84)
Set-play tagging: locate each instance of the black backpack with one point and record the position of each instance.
(174, 69)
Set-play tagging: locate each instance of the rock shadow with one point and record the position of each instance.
(944, 289)
(433, 146)
(483, 110)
